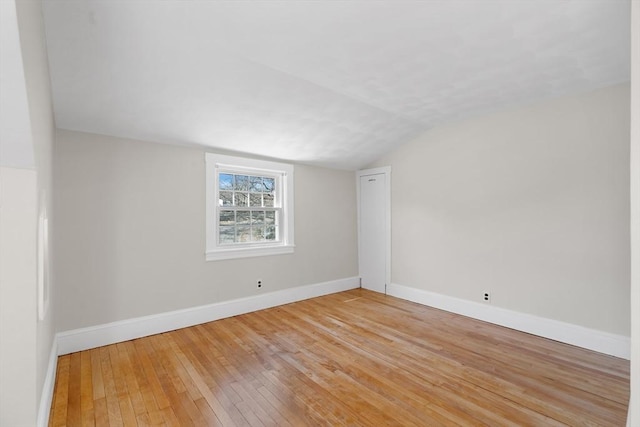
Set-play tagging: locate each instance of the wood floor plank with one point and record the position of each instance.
(313, 392)
(58, 415)
(86, 389)
(101, 412)
(111, 396)
(172, 379)
(210, 366)
(354, 358)
(144, 353)
(131, 382)
(534, 389)
(359, 372)
(123, 393)
(151, 413)
(391, 364)
(217, 409)
(96, 374)
(74, 409)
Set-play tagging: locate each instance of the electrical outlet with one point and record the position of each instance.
(486, 297)
(259, 283)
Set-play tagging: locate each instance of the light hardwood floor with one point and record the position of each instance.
(354, 358)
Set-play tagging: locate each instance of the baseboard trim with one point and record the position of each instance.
(114, 332)
(46, 397)
(602, 342)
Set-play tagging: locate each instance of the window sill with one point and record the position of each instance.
(234, 253)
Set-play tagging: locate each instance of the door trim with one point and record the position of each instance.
(386, 170)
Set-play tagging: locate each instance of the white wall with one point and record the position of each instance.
(27, 132)
(18, 389)
(130, 232)
(16, 149)
(531, 204)
(634, 405)
(38, 86)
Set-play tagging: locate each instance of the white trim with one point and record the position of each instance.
(633, 418)
(46, 397)
(233, 253)
(386, 170)
(124, 330)
(284, 174)
(592, 339)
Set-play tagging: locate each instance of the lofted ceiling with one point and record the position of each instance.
(332, 83)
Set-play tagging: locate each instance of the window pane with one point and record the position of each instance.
(249, 214)
(270, 232)
(270, 217)
(227, 234)
(226, 198)
(257, 233)
(227, 217)
(242, 217)
(225, 181)
(256, 184)
(241, 199)
(257, 217)
(255, 199)
(242, 183)
(268, 184)
(244, 234)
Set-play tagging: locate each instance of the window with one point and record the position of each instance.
(249, 207)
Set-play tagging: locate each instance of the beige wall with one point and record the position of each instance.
(130, 232)
(531, 204)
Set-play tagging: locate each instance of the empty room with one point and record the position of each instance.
(304, 213)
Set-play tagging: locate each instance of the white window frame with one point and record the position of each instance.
(216, 163)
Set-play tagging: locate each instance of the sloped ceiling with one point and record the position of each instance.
(333, 83)
(16, 144)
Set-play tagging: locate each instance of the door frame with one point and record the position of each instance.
(386, 170)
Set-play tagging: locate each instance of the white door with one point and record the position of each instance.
(373, 232)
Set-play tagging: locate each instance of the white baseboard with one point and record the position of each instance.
(602, 342)
(110, 333)
(46, 397)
